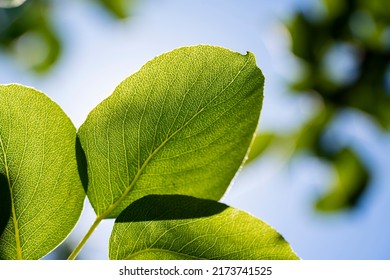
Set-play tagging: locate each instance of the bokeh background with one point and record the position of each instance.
(318, 171)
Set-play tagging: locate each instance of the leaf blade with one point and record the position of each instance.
(185, 116)
(183, 227)
(38, 166)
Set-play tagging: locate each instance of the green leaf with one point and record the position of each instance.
(260, 144)
(119, 8)
(42, 195)
(181, 125)
(352, 179)
(26, 32)
(11, 3)
(183, 227)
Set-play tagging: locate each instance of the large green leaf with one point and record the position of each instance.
(41, 192)
(181, 125)
(183, 227)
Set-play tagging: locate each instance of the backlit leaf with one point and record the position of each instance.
(181, 125)
(41, 195)
(183, 227)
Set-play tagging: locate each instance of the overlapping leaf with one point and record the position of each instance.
(41, 195)
(182, 227)
(181, 125)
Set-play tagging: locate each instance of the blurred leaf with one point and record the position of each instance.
(11, 3)
(188, 228)
(351, 180)
(118, 8)
(345, 53)
(181, 125)
(26, 32)
(357, 26)
(260, 143)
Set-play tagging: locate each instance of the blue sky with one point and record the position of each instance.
(100, 52)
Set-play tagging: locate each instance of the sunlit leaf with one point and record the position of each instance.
(181, 125)
(41, 192)
(350, 182)
(183, 227)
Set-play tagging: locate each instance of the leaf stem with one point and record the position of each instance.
(78, 248)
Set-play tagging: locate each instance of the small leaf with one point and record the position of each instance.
(39, 182)
(11, 3)
(181, 125)
(183, 227)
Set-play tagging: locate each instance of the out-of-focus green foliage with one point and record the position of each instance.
(118, 8)
(260, 143)
(27, 31)
(346, 53)
(344, 48)
(348, 185)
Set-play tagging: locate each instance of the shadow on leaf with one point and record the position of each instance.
(5, 203)
(169, 207)
(82, 164)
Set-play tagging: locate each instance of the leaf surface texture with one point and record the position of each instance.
(41, 195)
(181, 125)
(183, 227)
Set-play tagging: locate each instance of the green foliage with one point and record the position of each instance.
(118, 8)
(173, 128)
(183, 227)
(344, 50)
(261, 142)
(158, 153)
(44, 195)
(27, 31)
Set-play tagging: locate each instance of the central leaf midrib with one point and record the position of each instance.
(18, 247)
(113, 206)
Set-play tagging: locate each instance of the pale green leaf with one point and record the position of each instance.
(183, 227)
(119, 8)
(11, 3)
(41, 192)
(181, 125)
(260, 144)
